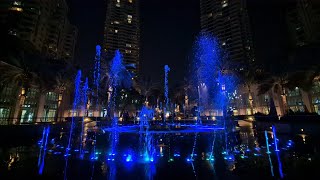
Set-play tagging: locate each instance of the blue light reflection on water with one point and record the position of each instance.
(127, 156)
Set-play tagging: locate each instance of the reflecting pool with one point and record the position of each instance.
(173, 152)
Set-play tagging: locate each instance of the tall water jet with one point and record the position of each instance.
(205, 63)
(166, 92)
(43, 149)
(83, 109)
(118, 77)
(146, 139)
(277, 150)
(268, 152)
(76, 101)
(213, 78)
(96, 74)
(275, 138)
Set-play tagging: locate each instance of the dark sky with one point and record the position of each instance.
(168, 28)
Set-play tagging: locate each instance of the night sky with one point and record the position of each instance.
(168, 29)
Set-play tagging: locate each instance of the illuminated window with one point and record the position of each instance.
(223, 87)
(224, 3)
(116, 30)
(129, 19)
(130, 1)
(128, 45)
(116, 22)
(224, 43)
(118, 3)
(128, 51)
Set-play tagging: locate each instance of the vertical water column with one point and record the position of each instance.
(277, 151)
(166, 91)
(84, 110)
(76, 101)
(268, 152)
(116, 76)
(96, 75)
(41, 165)
(43, 148)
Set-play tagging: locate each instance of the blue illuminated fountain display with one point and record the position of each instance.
(147, 140)
(213, 81)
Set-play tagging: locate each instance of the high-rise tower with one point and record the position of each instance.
(228, 21)
(44, 24)
(304, 21)
(122, 31)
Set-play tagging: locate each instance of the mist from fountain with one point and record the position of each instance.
(118, 77)
(214, 82)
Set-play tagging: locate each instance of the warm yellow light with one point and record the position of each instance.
(179, 118)
(213, 118)
(16, 9)
(23, 91)
(60, 97)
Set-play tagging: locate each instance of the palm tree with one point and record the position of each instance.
(145, 86)
(249, 77)
(276, 84)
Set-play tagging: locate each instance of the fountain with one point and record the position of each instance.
(214, 83)
(118, 77)
(96, 74)
(146, 138)
(166, 92)
(277, 151)
(76, 101)
(268, 152)
(43, 149)
(83, 109)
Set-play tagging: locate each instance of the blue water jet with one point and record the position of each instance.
(118, 77)
(267, 142)
(84, 109)
(44, 149)
(275, 138)
(97, 73)
(166, 92)
(213, 78)
(76, 101)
